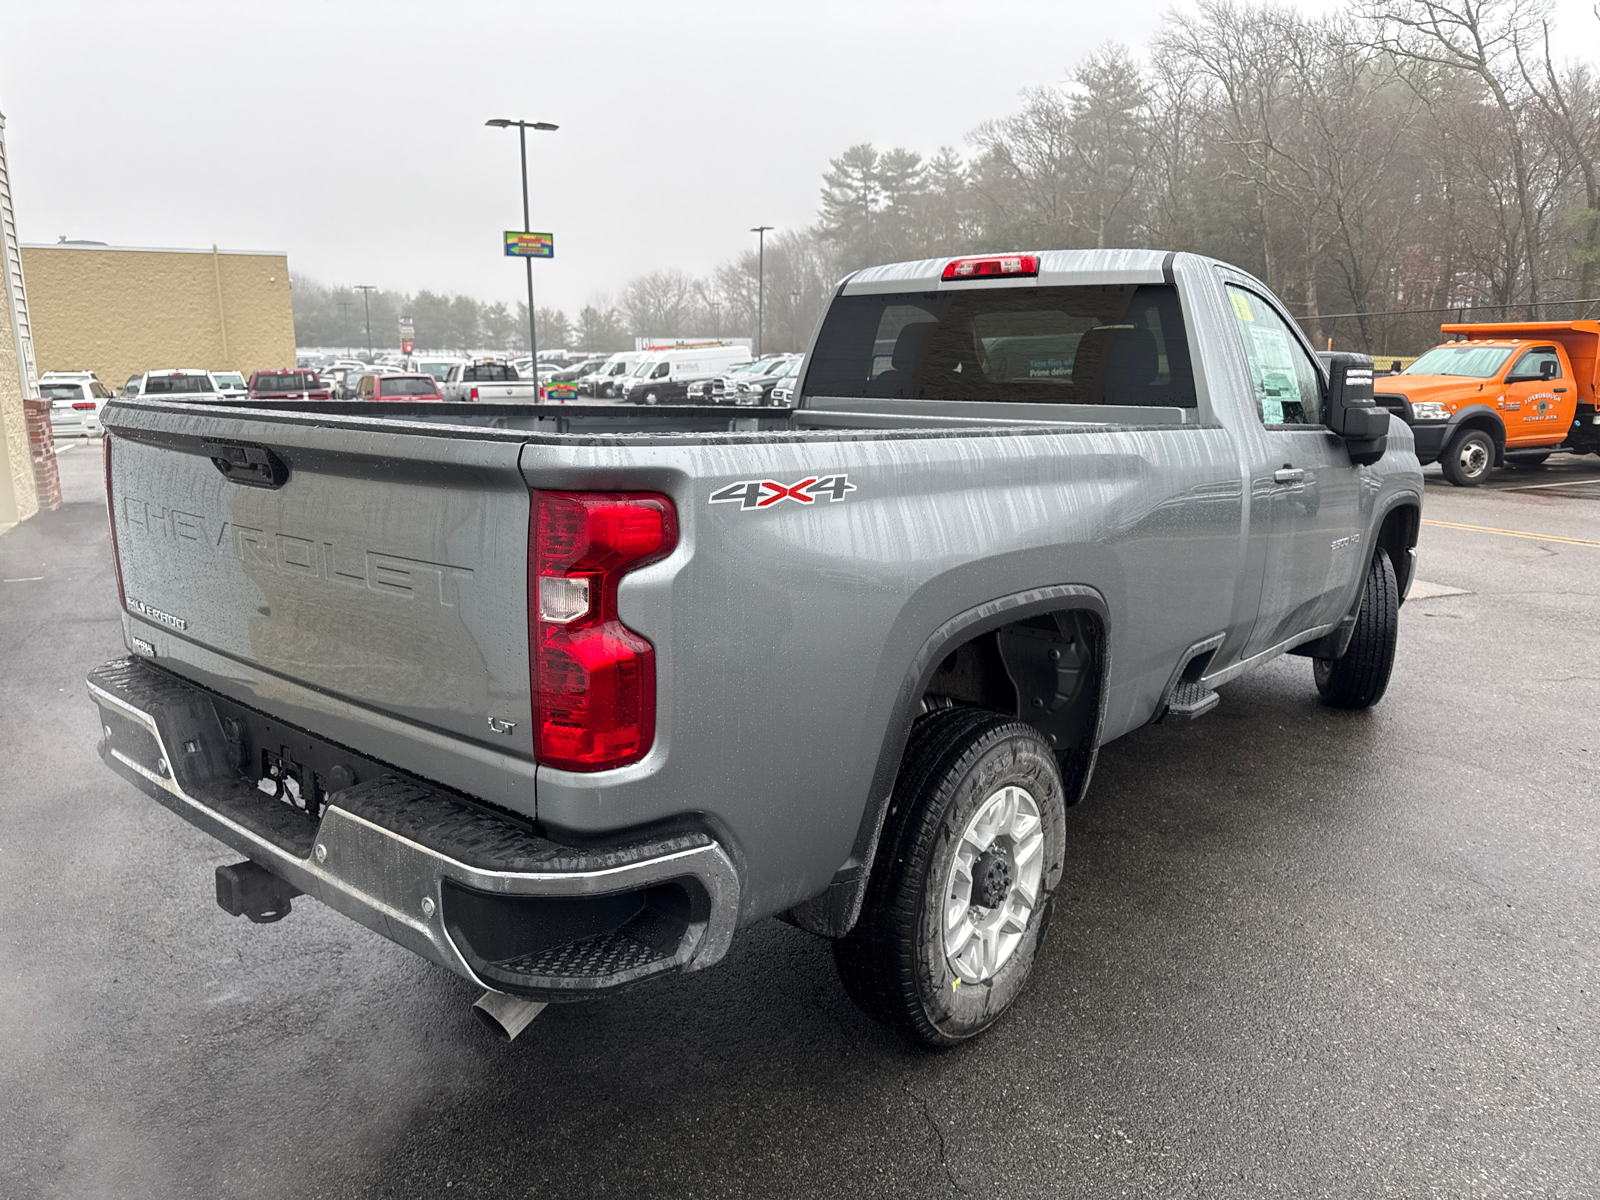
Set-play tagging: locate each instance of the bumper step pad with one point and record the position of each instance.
(476, 889)
(1191, 700)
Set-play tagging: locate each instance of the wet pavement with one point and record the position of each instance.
(1299, 952)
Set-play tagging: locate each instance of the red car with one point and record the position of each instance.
(398, 387)
(295, 383)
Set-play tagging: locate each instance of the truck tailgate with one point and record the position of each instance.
(386, 570)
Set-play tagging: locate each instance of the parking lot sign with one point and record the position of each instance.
(530, 245)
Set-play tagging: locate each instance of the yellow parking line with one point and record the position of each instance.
(1538, 537)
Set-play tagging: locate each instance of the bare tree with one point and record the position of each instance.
(1484, 39)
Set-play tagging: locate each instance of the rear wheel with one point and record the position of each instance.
(1359, 679)
(960, 893)
(1469, 458)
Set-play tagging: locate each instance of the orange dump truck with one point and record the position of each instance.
(1502, 393)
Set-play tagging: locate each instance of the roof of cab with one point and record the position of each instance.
(1056, 268)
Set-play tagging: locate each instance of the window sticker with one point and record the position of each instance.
(1274, 370)
(1241, 306)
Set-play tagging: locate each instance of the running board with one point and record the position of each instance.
(1191, 700)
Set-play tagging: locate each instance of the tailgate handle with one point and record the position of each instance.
(253, 466)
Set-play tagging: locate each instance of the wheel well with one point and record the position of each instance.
(1495, 429)
(1398, 536)
(1044, 669)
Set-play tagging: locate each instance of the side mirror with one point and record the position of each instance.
(1547, 369)
(1351, 411)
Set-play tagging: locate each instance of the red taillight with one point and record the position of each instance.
(474, 393)
(111, 515)
(991, 265)
(594, 679)
(82, 406)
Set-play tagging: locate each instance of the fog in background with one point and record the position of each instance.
(352, 136)
(353, 139)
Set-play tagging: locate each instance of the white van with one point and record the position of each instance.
(607, 381)
(664, 376)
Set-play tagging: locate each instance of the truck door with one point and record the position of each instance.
(1538, 399)
(1304, 491)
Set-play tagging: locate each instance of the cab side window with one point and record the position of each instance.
(661, 371)
(1534, 365)
(1287, 386)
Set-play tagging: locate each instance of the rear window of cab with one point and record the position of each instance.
(1112, 344)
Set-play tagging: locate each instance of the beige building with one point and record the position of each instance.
(120, 311)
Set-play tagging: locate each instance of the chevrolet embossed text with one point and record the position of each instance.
(306, 558)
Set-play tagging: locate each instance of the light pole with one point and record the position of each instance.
(522, 142)
(761, 280)
(366, 290)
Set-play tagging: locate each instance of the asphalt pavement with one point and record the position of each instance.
(1300, 952)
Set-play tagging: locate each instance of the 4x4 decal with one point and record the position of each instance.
(763, 493)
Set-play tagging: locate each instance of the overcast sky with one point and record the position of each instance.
(352, 137)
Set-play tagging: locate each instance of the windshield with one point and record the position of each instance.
(1461, 358)
(437, 369)
(287, 381)
(407, 387)
(229, 379)
(644, 368)
(177, 385)
(61, 391)
(1107, 344)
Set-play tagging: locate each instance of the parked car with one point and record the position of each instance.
(724, 388)
(75, 404)
(412, 387)
(782, 393)
(488, 381)
(752, 388)
(231, 383)
(604, 381)
(664, 376)
(579, 374)
(186, 384)
(437, 366)
(290, 383)
(69, 377)
(852, 667)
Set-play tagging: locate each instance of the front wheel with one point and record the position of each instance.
(959, 897)
(1359, 679)
(1469, 458)
(651, 398)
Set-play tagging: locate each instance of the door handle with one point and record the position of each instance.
(1561, 389)
(1288, 475)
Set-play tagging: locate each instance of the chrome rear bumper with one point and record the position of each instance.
(454, 881)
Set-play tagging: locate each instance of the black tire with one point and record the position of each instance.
(893, 963)
(1469, 458)
(1527, 461)
(1359, 679)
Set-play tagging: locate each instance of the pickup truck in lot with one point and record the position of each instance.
(488, 382)
(1507, 392)
(565, 699)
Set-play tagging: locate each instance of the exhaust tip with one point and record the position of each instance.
(505, 1016)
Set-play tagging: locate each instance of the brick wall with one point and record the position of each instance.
(42, 443)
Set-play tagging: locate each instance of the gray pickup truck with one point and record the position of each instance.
(565, 700)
